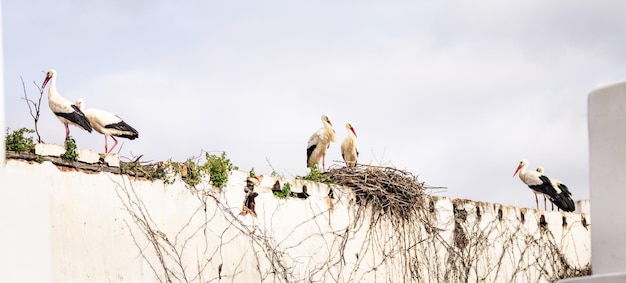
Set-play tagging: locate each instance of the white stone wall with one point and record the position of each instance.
(607, 174)
(104, 227)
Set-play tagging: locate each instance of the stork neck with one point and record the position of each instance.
(52, 87)
(328, 127)
(522, 172)
(330, 131)
(351, 139)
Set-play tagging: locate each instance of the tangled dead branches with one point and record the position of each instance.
(394, 232)
(386, 189)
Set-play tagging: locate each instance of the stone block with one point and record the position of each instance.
(47, 149)
(112, 160)
(88, 156)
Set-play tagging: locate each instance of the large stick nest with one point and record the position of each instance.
(386, 189)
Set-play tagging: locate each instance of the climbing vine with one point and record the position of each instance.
(393, 231)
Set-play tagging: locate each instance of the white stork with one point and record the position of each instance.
(540, 184)
(558, 187)
(108, 124)
(67, 112)
(319, 142)
(349, 150)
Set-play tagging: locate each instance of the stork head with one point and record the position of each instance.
(540, 170)
(522, 164)
(49, 74)
(350, 128)
(325, 119)
(80, 103)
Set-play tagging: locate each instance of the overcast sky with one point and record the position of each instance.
(456, 92)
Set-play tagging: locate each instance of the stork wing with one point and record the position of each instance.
(547, 187)
(314, 139)
(564, 188)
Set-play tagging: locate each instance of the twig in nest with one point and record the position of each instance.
(137, 159)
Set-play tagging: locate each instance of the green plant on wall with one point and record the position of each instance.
(70, 150)
(316, 176)
(167, 171)
(192, 173)
(285, 192)
(218, 167)
(158, 171)
(16, 141)
(129, 166)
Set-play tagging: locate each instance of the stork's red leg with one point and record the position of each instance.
(67, 134)
(114, 145)
(544, 203)
(537, 201)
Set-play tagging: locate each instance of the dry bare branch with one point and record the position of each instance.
(34, 107)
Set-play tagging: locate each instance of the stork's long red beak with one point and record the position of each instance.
(352, 129)
(45, 82)
(518, 167)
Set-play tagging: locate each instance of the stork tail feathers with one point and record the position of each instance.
(564, 202)
(128, 131)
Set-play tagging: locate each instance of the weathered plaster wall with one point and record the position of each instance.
(104, 227)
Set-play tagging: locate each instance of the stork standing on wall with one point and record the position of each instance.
(108, 124)
(540, 171)
(558, 187)
(67, 112)
(319, 142)
(349, 150)
(540, 184)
